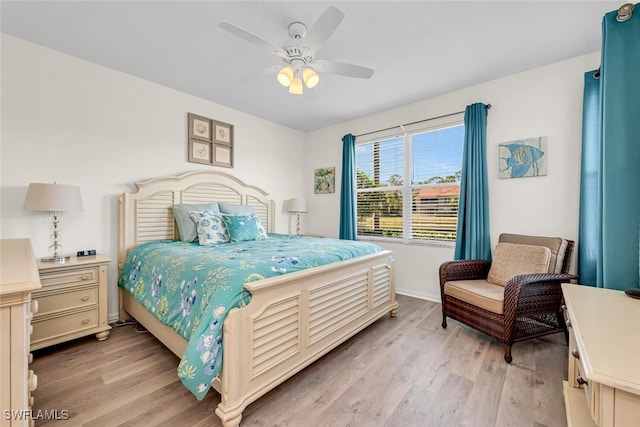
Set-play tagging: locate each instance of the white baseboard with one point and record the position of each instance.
(420, 295)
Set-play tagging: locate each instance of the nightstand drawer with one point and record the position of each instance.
(77, 276)
(49, 303)
(64, 325)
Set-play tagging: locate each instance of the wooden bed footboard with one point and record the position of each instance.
(291, 321)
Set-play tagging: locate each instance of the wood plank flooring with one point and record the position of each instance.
(404, 371)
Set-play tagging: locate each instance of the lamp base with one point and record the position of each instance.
(60, 259)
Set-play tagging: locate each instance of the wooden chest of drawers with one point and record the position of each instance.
(18, 280)
(72, 302)
(603, 386)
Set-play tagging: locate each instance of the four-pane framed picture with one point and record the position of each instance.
(210, 142)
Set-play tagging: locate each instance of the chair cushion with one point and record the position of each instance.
(557, 246)
(480, 293)
(511, 259)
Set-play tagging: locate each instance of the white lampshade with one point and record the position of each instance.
(53, 198)
(285, 76)
(310, 77)
(297, 205)
(296, 86)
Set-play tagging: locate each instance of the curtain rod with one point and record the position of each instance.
(487, 106)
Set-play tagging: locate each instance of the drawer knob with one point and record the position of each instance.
(85, 321)
(581, 380)
(575, 353)
(30, 358)
(85, 276)
(33, 381)
(85, 298)
(34, 306)
(568, 322)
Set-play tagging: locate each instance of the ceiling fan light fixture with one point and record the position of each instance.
(285, 76)
(310, 77)
(296, 86)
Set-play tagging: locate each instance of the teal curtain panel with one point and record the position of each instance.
(589, 230)
(472, 237)
(348, 219)
(610, 253)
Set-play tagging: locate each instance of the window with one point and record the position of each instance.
(408, 186)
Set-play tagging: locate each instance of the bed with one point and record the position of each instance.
(290, 320)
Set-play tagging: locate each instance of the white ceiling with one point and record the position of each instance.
(418, 49)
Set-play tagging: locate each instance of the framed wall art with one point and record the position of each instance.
(199, 127)
(324, 180)
(199, 151)
(523, 157)
(223, 156)
(210, 142)
(223, 132)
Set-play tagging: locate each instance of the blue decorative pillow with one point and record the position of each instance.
(186, 226)
(235, 209)
(210, 226)
(244, 227)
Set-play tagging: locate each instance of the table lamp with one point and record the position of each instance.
(298, 206)
(54, 198)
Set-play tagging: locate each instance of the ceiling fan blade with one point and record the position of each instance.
(252, 38)
(342, 69)
(323, 28)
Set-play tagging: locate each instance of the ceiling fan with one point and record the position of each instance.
(298, 53)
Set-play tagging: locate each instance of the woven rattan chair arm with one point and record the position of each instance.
(464, 270)
(532, 279)
(514, 286)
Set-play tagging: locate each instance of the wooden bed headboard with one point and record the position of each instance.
(146, 215)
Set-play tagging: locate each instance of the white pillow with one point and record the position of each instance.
(210, 227)
(186, 226)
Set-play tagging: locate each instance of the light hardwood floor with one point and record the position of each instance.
(404, 371)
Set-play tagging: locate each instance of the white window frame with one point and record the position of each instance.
(407, 188)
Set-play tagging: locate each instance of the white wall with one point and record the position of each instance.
(543, 102)
(74, 122)
(78, 123)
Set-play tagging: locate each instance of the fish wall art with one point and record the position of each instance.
(524, 157)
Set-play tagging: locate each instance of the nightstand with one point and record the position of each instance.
(72, 302)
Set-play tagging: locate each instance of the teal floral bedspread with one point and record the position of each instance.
(191, 287)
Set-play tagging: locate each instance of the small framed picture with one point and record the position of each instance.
(223, 156)
(324, 180)
(222, 132)
(200, 152)
(199, 127)
(210, 142)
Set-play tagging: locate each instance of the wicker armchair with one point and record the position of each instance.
(529, 305)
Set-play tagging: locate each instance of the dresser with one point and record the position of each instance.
(72, 302)
(18, 279)
(603, 386)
